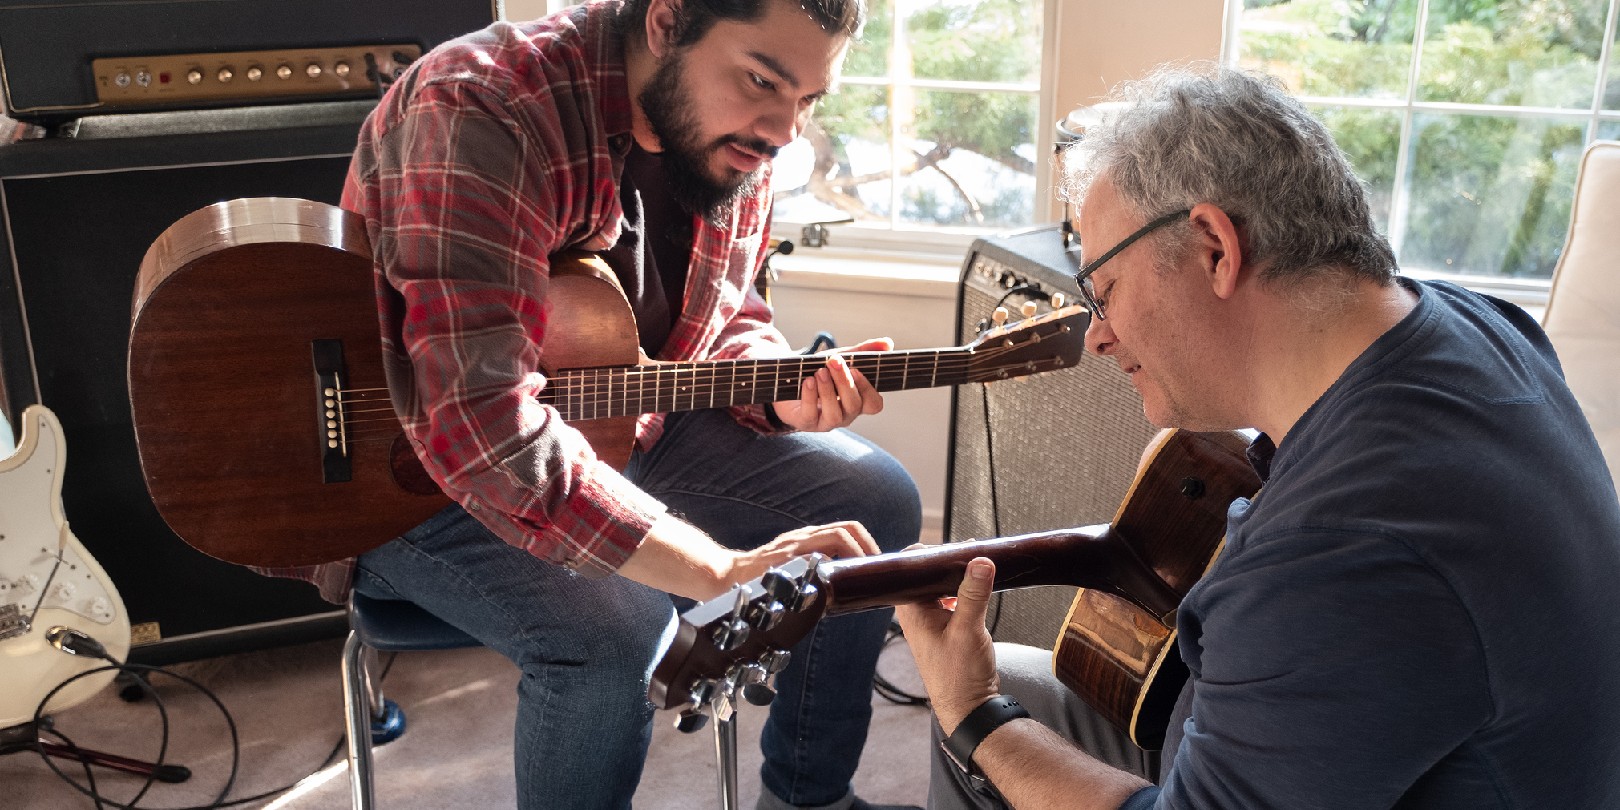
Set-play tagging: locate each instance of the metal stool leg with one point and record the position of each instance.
(357, 713)
(725, 751)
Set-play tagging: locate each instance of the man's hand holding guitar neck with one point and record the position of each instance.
(835, 395)
(677, 558)
(958, 665)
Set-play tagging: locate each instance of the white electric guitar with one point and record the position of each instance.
(47, 581)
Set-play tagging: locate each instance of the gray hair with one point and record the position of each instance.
(1226, 136)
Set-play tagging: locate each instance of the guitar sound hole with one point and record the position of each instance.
(407, 468)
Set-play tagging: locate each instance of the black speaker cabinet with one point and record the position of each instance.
(76, 216)
(1048, 451)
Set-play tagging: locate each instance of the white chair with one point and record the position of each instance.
(1583, 310)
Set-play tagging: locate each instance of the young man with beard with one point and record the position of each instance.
(1416, 609)
(641, 131)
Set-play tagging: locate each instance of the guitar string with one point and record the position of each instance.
(583, 391)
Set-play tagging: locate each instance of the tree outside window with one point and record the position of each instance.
(1465, 118)
(935, 124)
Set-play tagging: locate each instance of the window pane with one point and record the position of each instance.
(968, 158)
(1489, 195)
(1533, 53)
(869, 56)
(826, 174)
(1371, 139)
(1330, 47)
(1609, 130)
(974, 40)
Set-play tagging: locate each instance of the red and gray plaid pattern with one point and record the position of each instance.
(492, 153)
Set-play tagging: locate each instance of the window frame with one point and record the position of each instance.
(1531, 293)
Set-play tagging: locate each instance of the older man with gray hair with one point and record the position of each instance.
(1417, 609)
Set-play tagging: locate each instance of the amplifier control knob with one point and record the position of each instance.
(341, 70)
(225, 74)
(194, 76)
(122, 79)
(313, 70)
(143, 78)
(284, 71)
(255, 73)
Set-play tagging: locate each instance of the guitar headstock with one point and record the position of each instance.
(1045, 342)
(735, 644)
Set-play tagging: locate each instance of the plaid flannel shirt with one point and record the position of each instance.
(490, 154)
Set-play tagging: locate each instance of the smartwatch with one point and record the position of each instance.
(989, 716)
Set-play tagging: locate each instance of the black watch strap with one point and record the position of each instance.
(989, 716)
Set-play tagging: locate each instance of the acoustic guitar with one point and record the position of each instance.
(1116, 649)
(49, 583)
(262, 417)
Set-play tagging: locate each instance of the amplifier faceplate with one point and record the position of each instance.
(54, 54)
(246, 76)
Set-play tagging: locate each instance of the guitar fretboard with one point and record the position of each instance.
(602, 393)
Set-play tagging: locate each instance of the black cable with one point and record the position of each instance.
(84, 645)
(89, 775)
(135, 670)
(995, 505)
(886, 688)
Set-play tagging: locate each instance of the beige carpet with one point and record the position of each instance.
(456, 752)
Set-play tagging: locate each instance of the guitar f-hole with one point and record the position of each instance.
(332, 426)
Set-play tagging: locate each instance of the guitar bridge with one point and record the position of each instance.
(12, 621)
(332, 425)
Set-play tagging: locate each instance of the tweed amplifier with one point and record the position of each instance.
(65, 59)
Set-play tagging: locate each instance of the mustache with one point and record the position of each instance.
(756, 145)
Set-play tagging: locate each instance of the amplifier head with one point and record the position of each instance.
(66, 59)
(1048, 451)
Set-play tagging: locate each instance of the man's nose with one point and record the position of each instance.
(783, 124)
(1100, 337)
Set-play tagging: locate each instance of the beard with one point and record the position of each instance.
(667, 103)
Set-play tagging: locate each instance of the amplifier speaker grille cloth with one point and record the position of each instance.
(1059, 449)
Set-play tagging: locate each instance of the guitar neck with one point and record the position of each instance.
(602, 393)
(1091, 557)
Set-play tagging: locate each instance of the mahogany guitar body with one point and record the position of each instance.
(1120, 658)
(261, 412)
(227, 414)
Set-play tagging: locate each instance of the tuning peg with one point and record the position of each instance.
(758, 694)
(806, 583)
(999, 317)
(755, 690)
(766, 615)
(774, 660)
(1028, 309)
(1058, 300)
(690, 720)
(780, 585)
(731, 634)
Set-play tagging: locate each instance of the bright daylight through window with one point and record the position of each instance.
(1466, 118)
(934, 126)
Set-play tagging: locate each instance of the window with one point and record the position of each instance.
(1466, 118)
(935, 126)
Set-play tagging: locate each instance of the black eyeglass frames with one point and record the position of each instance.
(1082, 273)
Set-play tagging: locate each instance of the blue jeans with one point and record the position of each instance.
(586, 647)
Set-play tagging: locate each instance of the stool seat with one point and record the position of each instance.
(395, 625)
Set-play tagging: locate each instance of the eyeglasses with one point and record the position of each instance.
(1082, 275)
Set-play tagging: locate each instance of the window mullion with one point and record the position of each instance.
(1399, 196)
(1604, 54)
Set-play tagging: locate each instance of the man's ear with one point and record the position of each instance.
(1219, 248)
(660, 25)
